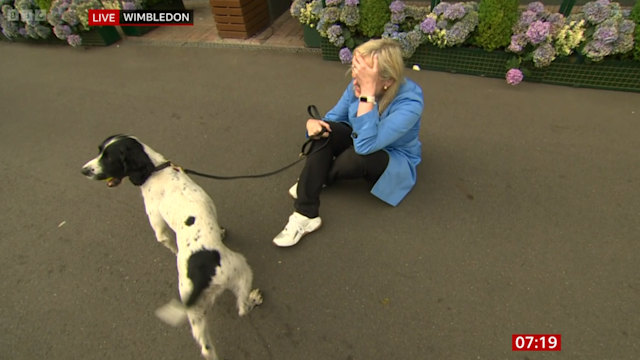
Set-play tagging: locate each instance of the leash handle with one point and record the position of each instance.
(313, 112)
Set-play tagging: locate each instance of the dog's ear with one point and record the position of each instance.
(136, 162)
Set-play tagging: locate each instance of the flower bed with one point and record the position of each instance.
(610, 74)
(598, 46)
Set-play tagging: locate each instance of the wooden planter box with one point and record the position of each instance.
(239, 19)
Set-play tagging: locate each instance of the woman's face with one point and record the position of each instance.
(365, 73)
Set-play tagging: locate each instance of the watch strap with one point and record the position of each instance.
(368, 99)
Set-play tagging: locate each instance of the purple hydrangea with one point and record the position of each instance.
(606, 34)
(536, 7)
(128, 5)
(398, 18)
(514, 76)
(351, 2)
(331, 14)
(397, 6)
(345, 55)
(456, 35)
(526, 19)
(455, 11)
(333, 2)
(74, 40)
(428, 26)
(62, 31)
(627, 27)
(597, 11)
(440, 8)
(334, 35)
(391, 28)
(596, 50)
(350, 15)
(557, 22)
(538, 31)
(543, 55)
(518, 42)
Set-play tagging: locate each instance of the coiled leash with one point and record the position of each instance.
(305, 151)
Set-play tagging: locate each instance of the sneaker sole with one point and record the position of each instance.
(303, 234)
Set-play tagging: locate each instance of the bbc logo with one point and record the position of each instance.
(26, 15)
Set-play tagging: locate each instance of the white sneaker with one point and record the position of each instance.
(298, 226)
(293, 191)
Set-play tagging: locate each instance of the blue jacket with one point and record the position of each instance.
(394, 131)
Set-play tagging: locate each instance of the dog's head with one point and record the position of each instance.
(120, 156)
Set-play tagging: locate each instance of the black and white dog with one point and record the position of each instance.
(173, 201)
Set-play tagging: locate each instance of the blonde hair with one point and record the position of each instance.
(390, 65)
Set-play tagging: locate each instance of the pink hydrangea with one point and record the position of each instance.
(514, 76)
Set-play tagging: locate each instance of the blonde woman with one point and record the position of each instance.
(371, 133)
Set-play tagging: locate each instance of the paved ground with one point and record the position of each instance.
(524, 218)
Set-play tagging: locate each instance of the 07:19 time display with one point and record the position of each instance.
(536, 342)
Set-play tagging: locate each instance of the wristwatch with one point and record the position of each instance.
(368, 99)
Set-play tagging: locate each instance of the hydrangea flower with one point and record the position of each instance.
(543, 55)
(455, 11)
(538, 31)
(454, 23)
(606, 34)
(441, 8)
(23, 19)
(350, 15)
(397, 6)
(612, 32)
(345, 55)
(514, 76)
(70, 17)
(535, 7)
(404, 26)
(518, 43)
(597, 11)
(428, 26)
(334, 34)
(74, 40)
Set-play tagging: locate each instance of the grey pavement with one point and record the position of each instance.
(525, 217)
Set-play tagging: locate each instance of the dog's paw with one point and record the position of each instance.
(255, 297)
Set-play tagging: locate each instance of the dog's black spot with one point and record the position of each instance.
(201, 267)
(122, 156)
(190, 221)
(208, 347)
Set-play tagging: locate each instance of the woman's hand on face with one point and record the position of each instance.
(366, 75)
(315, 127)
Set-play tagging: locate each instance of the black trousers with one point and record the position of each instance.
(332, 159)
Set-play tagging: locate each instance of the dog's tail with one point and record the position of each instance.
(201, 267)
(173, 313)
